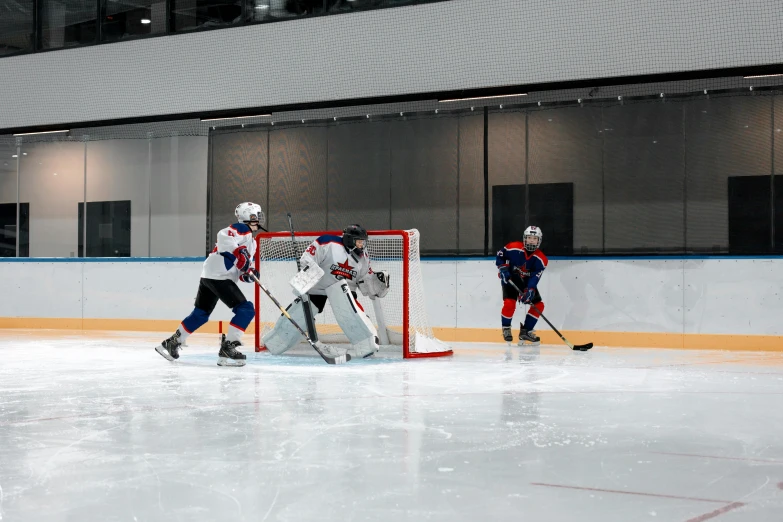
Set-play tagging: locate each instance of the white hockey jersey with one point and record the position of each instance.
(235, 246)
(329, 253)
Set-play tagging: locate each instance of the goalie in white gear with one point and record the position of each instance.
(334, 267)
(230, 261)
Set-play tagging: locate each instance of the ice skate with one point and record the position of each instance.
(528, 338)
(507, 334)
(169, 348)
(229, 356)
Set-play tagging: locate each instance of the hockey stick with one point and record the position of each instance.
(577, 347)
(308, 312)
(340, 359)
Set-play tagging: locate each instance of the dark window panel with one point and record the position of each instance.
(130, 18)
(202, 14)
(108, 229)
(16, 26)
(68, 23)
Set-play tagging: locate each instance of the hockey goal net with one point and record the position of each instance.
(400, 316)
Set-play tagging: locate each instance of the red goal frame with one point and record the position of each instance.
(406, 238)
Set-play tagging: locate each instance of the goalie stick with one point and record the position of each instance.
(340, 359)
(308, 312)
(577, 347)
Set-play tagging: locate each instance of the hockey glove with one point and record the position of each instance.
(527, 296)
(247, 277)
(242, 262)
(504, 274)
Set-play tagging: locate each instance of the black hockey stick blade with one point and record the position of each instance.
(583, 347)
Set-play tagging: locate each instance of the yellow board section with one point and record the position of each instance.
(124, 325)
(755, 343)
(763, 343)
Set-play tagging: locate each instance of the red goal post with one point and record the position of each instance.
(400, 316)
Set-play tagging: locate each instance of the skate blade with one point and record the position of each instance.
(165, 353)
(529, 343)
(225, 361)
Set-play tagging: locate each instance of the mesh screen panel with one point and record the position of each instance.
(470, 204)
(359, 170)
(648, 176)
(297, 178)
(643, 178)
(506, 142)
(402, 309)
(239, 168)
(566, 146)
(424, 180)
(725, 137)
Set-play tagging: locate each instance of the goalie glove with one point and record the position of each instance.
(375, 284)
(306, 278)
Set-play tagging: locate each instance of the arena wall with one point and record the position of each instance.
(702, 303)
(448, 46)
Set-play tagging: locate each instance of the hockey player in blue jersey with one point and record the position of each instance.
(230, 261)
(523, 264)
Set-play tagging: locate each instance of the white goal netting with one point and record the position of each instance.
(400, 316)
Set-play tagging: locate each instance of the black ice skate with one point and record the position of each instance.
(528, 338)
(228, 355)
(507, 334)
(170, 347)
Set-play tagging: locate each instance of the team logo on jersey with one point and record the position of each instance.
(343, 270)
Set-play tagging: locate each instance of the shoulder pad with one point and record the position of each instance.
(540, 255)
(240, 228)
(323, 240)
(515, 245)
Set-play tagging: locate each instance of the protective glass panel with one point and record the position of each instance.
(8, 195)
(118, 171)
(178, 196)
(51, 180)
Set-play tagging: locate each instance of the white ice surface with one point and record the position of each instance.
(101, 428)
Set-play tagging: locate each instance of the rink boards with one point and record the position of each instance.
(723, 303)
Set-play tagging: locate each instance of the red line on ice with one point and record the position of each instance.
(719, 511)
(639, 493)
(767, 461)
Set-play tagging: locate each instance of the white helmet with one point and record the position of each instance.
(532, 238)
(247, 212)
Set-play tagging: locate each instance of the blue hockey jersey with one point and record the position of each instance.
(528, 266)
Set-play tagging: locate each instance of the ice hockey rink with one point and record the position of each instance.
(98, 427)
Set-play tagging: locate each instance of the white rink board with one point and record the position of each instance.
(707, 296)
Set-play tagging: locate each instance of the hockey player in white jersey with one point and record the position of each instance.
(230, 261)
(334, 267)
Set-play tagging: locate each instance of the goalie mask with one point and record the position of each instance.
(250, 214)
(354, 239)
(532, 238)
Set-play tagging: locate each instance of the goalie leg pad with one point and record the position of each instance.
(352, 320)
(285, 335)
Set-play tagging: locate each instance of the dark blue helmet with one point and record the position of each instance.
(351, 234)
